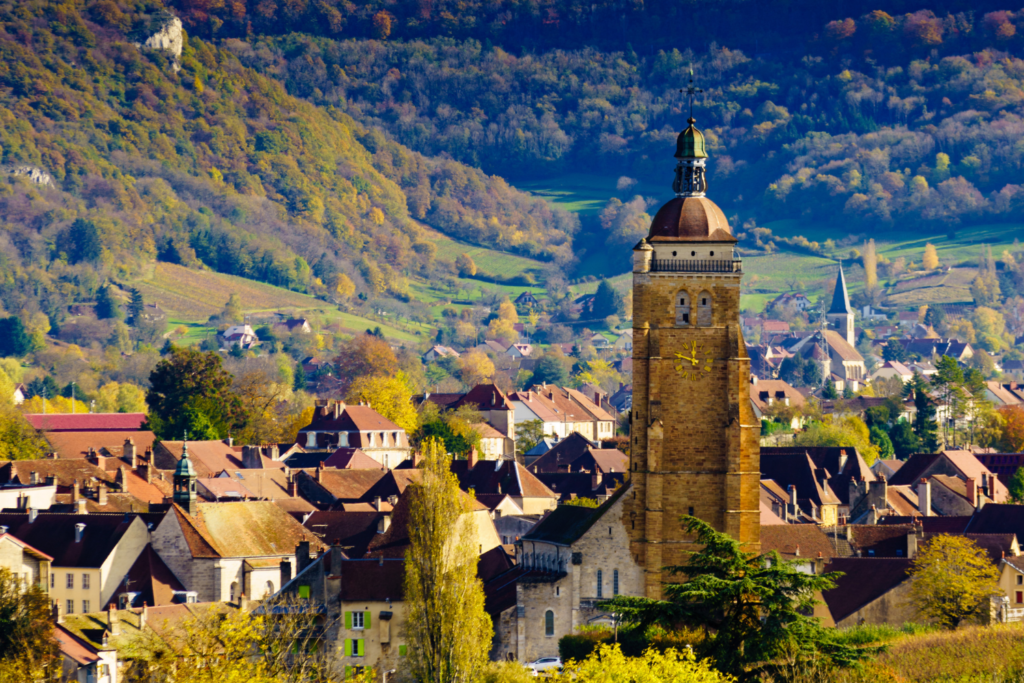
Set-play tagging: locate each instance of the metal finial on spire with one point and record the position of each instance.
(184, 444)
(691, 92)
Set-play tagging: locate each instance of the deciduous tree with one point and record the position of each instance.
(954, 579)
(608, 663)
(191, 389)
(447, 628)
(389, 395)
(930, 260)
(26, 630)
(365, 355)
(1012, 439)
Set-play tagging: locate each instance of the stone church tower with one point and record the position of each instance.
(695, 441)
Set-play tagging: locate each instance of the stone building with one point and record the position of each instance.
(23, 561)
(574, 558)
(695, 437)
(336, 425)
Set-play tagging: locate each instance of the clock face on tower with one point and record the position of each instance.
(696, 364)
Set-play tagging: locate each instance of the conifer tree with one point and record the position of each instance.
(924, 421)
(135, 307)
(449, 632)
(106, 305)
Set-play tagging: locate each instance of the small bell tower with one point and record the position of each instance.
(185, 483)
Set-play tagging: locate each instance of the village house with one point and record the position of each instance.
(768, 395)
(336, 425)
(26, 563)
(91, 553)
(575, 453)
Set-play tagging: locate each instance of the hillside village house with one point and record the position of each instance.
(24, 562)
(336, 425)
(91, 553)
(562, 412)
(495, 407)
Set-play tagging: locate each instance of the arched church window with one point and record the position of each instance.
(682, 308)
(704, 309)
(549, 623)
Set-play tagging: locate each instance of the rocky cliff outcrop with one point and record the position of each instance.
(169, 38)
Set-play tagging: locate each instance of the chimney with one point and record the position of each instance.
(143, 616)
(417, 458)
(337, 555)
(129, 453)
(32, 514)
(286, 572)
(92, 457)
(384, 524)
(819, 564)
(972, 492)
(377, 504)
(121, 479)
(302, 558)
(843, 457)
(595, 479)
(33, 478)
(51, 480)
(473, 458)
(101, 494)
(243, 603)
(914, 537)
(753, 379)
(319, 470)
(924, 498)
(75, 492)
(251, 457)
(797, 551)
(273, 452)
(56, 613)
(146, 471)
(293, 486)
(79, 531)
(792, 510)
(230, 441)
(113, 620)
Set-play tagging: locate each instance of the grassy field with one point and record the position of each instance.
(190, 297)
(487, 260)
(586, 194)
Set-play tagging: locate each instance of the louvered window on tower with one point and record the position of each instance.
(704, 309)
(682, 309)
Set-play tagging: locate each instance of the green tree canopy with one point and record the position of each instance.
(84, 242)
(607, 301)
(895, 351)
(190, 391)
(14, 340)
(106, 305)
(755, 608)
(550, 370)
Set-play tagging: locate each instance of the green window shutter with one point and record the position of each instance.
(304, 592)
(348, 647)
(401, 650)
(348, 620)
(366, 620)
(348, 672)
(359, 648)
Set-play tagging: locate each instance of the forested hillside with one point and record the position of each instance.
(117, 155)
(915, 119)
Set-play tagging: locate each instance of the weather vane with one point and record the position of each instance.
(691, 91)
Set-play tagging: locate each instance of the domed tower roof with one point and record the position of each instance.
(690, 143)
(690, 219)
(184, 468)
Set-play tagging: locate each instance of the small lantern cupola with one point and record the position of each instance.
(185, 482)
(691, 179)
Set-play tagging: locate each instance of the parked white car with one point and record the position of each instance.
(545, 664)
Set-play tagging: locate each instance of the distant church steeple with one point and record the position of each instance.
(840, 314)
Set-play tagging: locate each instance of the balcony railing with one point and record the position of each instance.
(696, 266)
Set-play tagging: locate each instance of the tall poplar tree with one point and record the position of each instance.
(449, 632)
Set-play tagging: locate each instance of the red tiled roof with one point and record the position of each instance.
(796, 541)
(86, 422)
(73, 648)
(74, 444)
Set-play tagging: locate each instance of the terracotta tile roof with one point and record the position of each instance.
(209, 457)
(971, 467)
(352, 459)
(269, 484)
(54, 534)
(541, 406)
(610, 460)
(1011, 394)
(486, 431)
(580, 484)
(903, 500)
(485, 397)
(86, 422)
(864, 580)
(565, 454)
(500, 476)
(153, 579)
(353, 530)
(595, 411)
(73, 648)
(841, 347)
(352, 419)
(775, 489)
(347, 485)
(443, 401)
(65, 472)
(493, 500)
(880, 541)
(212, 487)
(563, 401)
(796, 541)
(70, 444)
(777, 390)
(249, 529)
(774, 462)
(949, 525)
(296, 507)
(374, 580)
